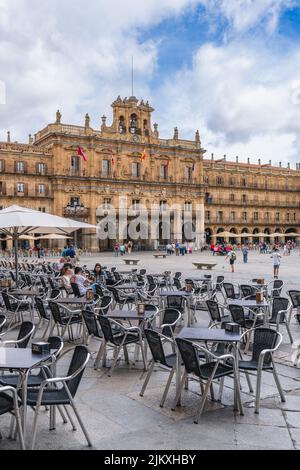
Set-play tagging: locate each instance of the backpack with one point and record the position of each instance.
(233, 256)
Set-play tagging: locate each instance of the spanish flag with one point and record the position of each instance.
(144, 155)
(81, 153)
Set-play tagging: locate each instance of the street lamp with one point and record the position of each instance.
(75, 207)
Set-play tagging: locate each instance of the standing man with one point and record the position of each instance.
(245, 252)
(276, 262)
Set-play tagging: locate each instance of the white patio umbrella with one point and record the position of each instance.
(53, 236)
(16, 221)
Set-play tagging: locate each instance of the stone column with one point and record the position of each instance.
(200, 229)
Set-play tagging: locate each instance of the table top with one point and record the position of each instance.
(14, 358)
(160, 275)
(72, 301)
(248, 303)
(176, 293)
(126, 272)
(128, 314)
(27, 292)
(209, 334)
(127, 286)
(198, 279)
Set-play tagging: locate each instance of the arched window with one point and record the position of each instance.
(122, 128)
(133, 123)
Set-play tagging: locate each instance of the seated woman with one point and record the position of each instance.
(82, 282)
(66, 278)
(99, 275)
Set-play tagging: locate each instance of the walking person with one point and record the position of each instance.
(276, 256)
(117, 248)
(245, 252)
(232, 258)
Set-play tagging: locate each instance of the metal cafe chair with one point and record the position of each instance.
(160, 360)
(49, 395)
(213, 367)
(265, 342)
(9, 404)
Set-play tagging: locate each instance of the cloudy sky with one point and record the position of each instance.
(230, 68)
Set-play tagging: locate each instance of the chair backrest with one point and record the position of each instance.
(295, 297)
(155, 345)
(237, 313)
(229, 290)
(26, 331)
(152, 288)
(43, 282)
(189, 356)
(40, 307)
(28, 280)
(51, 283)
(150, 279)
(99, 290)
(177, 283)
(142, 272)
(279, 303)
(106, 329)
(150, 308)
(54, 294)
(117, 276)
(115, 294)
(2, 322)
(12, 276)
(55, 312)
(246, 290)
(277, 288)
(105, 303)
(113, 269)
(75, 289)
(264, 338)
(220, 279)
(171, 315)
(213, 310)
(91, 323)
(177, 275)
(6, 301)
(56, 344)
(174, 301)
(80, 358)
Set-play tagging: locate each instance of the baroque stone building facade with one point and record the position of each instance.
(129, 167)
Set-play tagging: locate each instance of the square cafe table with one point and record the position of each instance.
(21, 361)
(252, 305)
(215, 335)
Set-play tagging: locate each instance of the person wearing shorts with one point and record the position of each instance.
(232, 257)
(276, 256)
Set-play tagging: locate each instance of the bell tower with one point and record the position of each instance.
(131, 117)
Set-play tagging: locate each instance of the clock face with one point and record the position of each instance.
(135, 137)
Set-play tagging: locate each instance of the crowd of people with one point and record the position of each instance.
(229, 250)
(84, 279)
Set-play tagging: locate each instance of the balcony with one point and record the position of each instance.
(251, 203)
(250, 220)
(76, 212)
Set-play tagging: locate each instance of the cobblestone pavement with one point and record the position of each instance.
(117, 418)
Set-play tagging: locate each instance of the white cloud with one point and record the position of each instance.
(245, 14)
(242, 95)
(244, 100)
(74, 57)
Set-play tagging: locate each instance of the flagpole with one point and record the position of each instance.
(132, 76)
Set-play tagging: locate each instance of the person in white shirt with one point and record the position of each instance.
(276, 256)
(82, 282)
